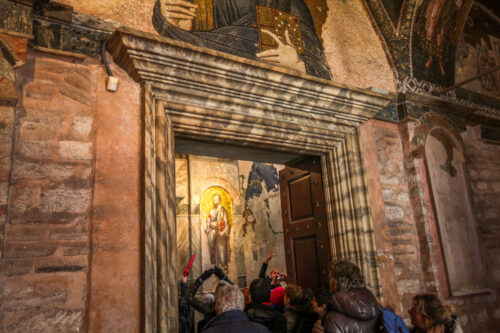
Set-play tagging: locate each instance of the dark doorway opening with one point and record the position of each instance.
(296, 201)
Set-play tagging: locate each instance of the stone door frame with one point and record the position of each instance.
(201, 94)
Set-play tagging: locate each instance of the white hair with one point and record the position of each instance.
(229, 298)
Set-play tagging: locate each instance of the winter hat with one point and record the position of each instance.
(277, 296)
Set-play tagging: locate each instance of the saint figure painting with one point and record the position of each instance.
(217, 225)
(232, 26)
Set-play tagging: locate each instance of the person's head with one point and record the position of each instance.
(294, 295)
(274, 274)
(277, 296)
(260, 291)
(320, 301)
(428, 310)
(345, 275)
(208, 300)
(216, 200)
(228, 297)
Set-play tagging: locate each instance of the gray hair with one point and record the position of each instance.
(229, 298)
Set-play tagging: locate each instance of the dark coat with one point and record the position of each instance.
(300, 318)
(186, 320)
(267, 316)
(233, 321)
(353, 311)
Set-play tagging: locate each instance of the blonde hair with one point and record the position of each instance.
(431, 306)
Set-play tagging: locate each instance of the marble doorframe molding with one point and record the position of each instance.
(195, 93)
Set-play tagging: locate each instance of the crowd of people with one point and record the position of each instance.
(271, 305)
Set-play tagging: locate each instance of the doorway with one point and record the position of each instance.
(257, 190)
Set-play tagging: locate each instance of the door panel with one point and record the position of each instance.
(300, 198)
(305, 230)
(306, 257)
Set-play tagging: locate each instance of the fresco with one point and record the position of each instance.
(479, 51)
(229, 213)
(216, 210)
(438, 25)
(238, 28)
(263, 223)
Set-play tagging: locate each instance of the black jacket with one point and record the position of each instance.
(233, 321)
(353, 311)
(208, 310)
(300, 318)
(267, 316)
(186, 322)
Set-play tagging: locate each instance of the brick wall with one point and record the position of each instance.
(45, 263)
(483, 165)
(72, 206)
(406, 232)
(392, 213)
(6, 138)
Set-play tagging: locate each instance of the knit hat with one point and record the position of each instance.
(277, 296)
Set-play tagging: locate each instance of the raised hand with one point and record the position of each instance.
(179, 13)
(284, 54)
(269, 257)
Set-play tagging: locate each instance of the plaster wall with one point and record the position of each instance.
(114, 303)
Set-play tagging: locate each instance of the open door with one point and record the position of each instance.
(305, 230)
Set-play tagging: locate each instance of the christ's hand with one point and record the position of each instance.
(284, 54)
(179, 13)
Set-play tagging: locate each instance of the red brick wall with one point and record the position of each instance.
(60, 160)
(45, 263)
(406, 233)
(392, 213)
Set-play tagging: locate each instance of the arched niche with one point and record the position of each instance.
(439, 143)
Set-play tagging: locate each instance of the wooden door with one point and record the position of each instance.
(307, 249)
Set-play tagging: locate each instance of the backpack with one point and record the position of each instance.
(392, 323)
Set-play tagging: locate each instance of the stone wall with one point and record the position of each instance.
(483, 163)
(46, 262)
(49, 211)
(409, 251)
(6, 141)
(393, 218)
